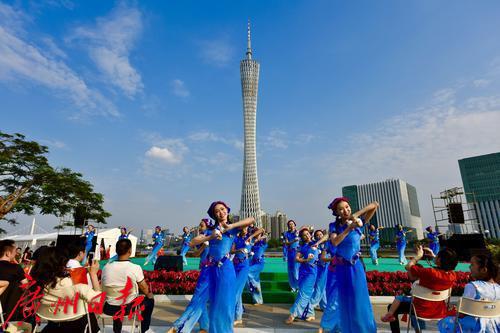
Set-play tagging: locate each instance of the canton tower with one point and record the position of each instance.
(250, 199)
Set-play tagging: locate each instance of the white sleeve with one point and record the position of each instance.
(469, 291)
(139, 274)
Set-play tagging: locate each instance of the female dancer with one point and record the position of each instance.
(318, 297)
(307, 257)
(123, 235)
(241, 248)
(196, 311)
(433, 238)
(285, 254)
(292, 243)
(374, 236)
(401, 243)
(222, 277)
(256, 267)
(158, 238)
(354, 307)
(186, 239)
(330, 320)
(89, 236)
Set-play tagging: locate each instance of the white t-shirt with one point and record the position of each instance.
(72, 263)
(116, 273)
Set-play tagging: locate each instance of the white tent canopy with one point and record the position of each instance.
(110, 237)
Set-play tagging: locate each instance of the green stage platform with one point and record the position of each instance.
(274, 278)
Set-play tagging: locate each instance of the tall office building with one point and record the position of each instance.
(398, 205)
(481, 179)
(278, 224)
(250, 199)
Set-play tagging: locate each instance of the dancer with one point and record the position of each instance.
(292, 243)
(123, 235)
(285, 254)
(222, 277)
(241, 249)
(401, 243)
(256, 267)
(330, 320)
(307, 257)
(186, 239)
(374, 236)
(158, 238)
(354, 307)
(196, 311)
(433, 238)
(318, 297)
(89, 236)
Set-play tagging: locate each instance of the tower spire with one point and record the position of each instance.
(249, 42)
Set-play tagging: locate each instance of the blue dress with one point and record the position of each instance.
(256, 267)
(241, 267)
(89, 236)
(115, 257)
(302, 307)
(293, 266)
(285, 255)
(222, 283)
(434, 241)
(354, 307)
(401, 246)
(319, 295)
(479, 290)
(186, 239)
(158, 244)
(197, 311)
(374, 245)
(331, 320)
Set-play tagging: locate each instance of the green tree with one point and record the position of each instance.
(28, 183)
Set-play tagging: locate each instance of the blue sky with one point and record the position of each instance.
(144, 98)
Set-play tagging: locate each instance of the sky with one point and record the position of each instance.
(144, 99)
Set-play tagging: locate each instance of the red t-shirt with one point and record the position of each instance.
(435, 279)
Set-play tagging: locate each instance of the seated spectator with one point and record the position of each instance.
(78, 273)
(442, 277)
(115, 274)
(14, 275)
(19, 256)
(51, 275)
(483, 271)
(26, 258)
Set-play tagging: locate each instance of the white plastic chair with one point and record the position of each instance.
(115, 292)
(417, 291)
(476, 308)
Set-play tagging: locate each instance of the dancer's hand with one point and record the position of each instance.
(310, 257)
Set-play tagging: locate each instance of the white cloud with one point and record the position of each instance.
(479, 83)
(276, 139)
(217, 52)
(22, 60)
(179, 88)
(54, 143)
(109, 44)
(164, 154)
(207, 136)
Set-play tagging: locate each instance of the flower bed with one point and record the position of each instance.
(379, 283)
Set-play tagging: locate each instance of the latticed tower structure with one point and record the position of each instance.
(250, 199)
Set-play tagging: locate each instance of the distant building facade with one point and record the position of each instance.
(398, 205)
(481, 180)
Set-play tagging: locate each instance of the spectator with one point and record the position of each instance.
(483, 271)
(19, 256)
(440, 278)
(51, 275)
(26, 256)
(115, 274)
(76, 253)
(14, 274)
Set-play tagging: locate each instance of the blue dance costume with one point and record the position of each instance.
(401, 246)
(241, 267)
(330, 321)
(374, 245)
(256, 267)
(302, 307)
(293, 265)
(318, 297)
(434, 241)
(222, 283)
(186, 239)
(115, 257)
(354, 307)
(196, 311)
(285, 255)
(89, 236)
(158, 244)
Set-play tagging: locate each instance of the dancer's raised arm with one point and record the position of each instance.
(240, 224)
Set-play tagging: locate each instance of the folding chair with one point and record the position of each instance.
(417, 291)
(476, 308)
(115, 292)
(47, 312)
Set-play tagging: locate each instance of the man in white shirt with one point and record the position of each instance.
(115, 274)
(76, 253)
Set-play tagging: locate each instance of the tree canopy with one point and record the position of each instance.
(28, 183)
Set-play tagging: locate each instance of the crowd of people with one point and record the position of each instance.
(325, 269)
